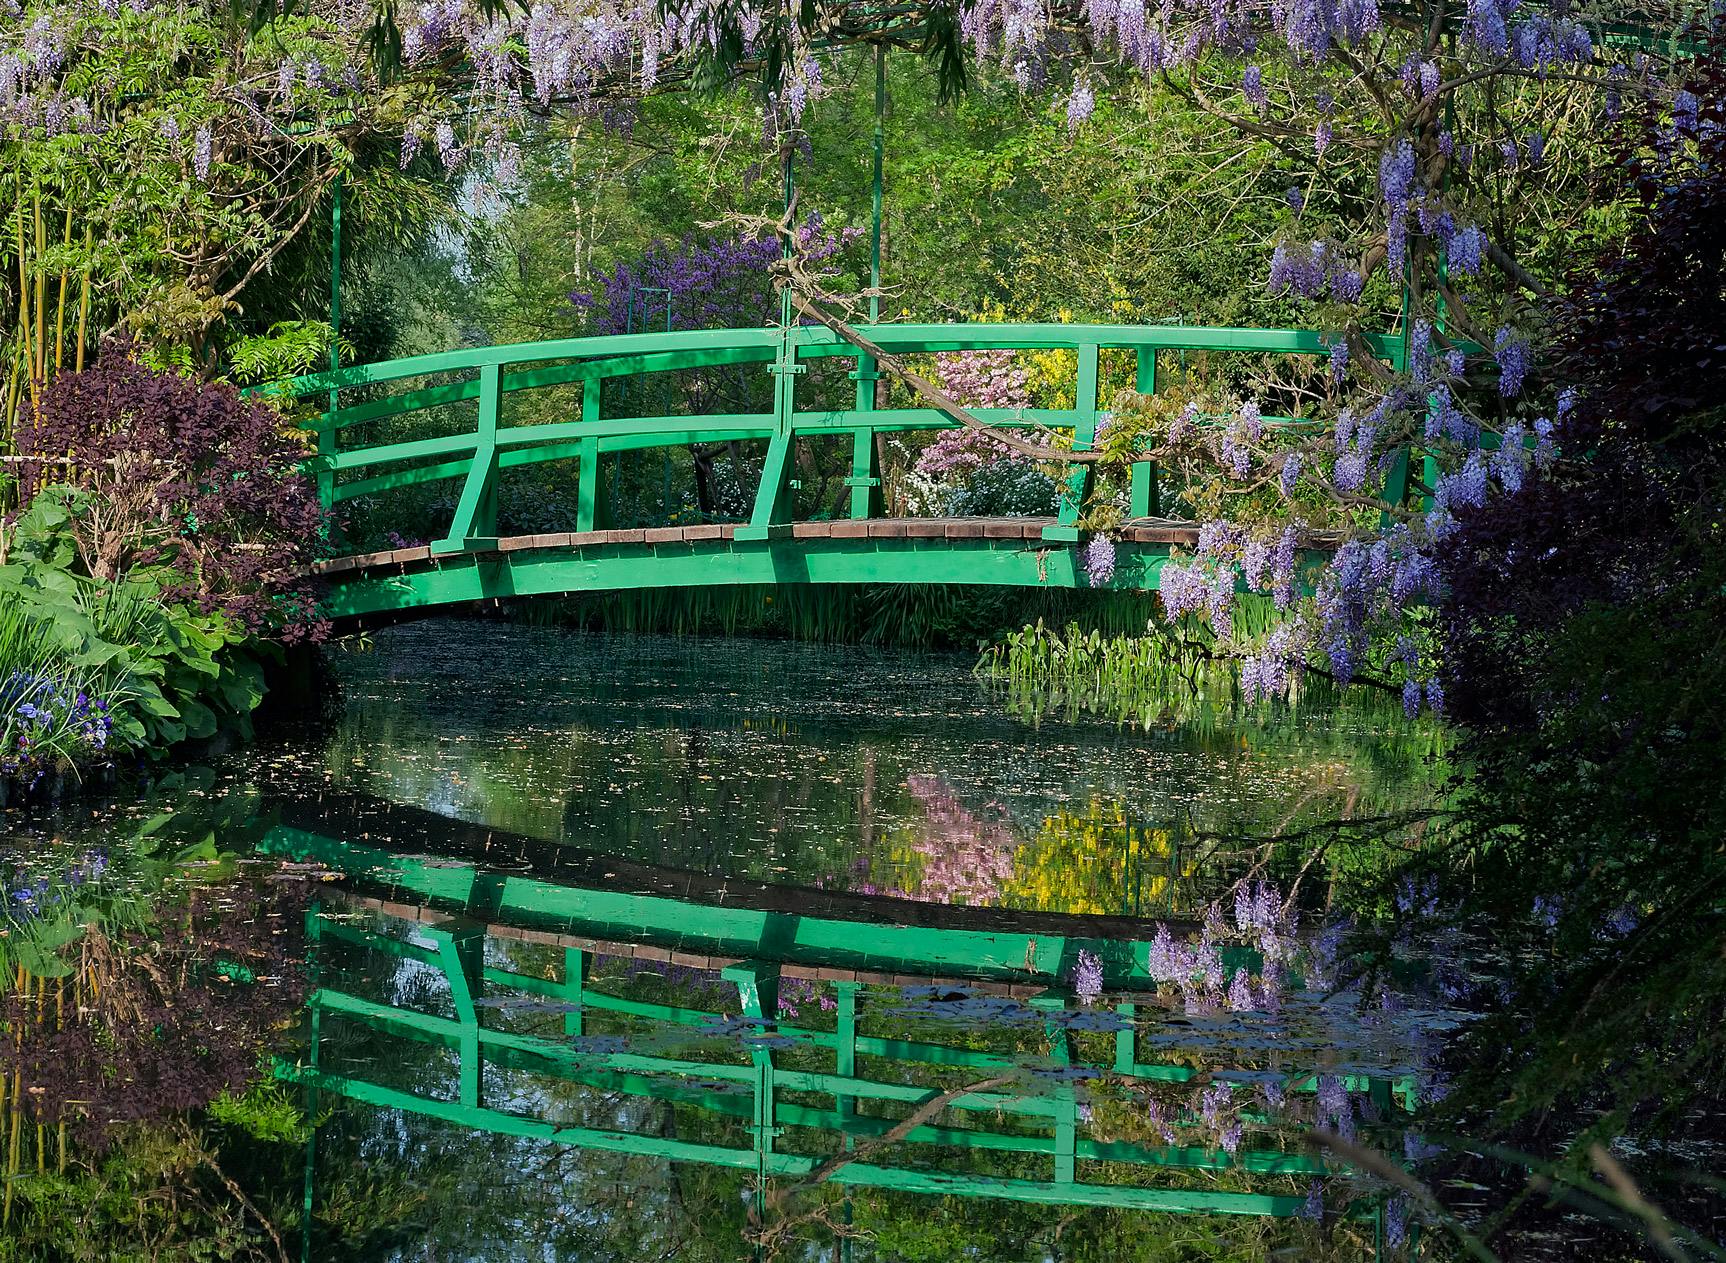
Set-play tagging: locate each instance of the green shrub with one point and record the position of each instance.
(151, 671)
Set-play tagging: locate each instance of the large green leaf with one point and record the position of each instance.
(199, 719)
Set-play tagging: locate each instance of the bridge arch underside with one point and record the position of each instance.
(1010, 552)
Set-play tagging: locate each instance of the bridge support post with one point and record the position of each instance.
(1066, 1135)
(865, 479)
(475, 522)
(1126, 1038)
(758, 995)
(845, 1043)
(1078, 483)
(771, 515)
(575, 963)
(1395, 485)
(590, 514)
(1146, 497)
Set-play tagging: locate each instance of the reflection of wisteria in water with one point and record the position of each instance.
(965, 859)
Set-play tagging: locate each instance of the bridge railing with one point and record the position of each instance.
(475, 458)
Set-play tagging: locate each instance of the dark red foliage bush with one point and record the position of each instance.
(185, 473)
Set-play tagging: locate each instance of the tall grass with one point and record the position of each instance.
(908, 615)
(1150, 673)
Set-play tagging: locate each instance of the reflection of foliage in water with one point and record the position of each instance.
(1098, 860)
(152, 1023)
(140, 985)
(789, 763)
(956, 856)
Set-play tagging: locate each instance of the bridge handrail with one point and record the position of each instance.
(817, 341)
(478, 454)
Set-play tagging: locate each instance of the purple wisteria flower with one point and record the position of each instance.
(1240, 998)
(1098, 561)
(1466, 250)
(1335, 1106)
(1088, 977)
(1396, 1222)
(1512, 356)
(1254, 90)
(1547, 910)
(1339, 361)
(448, 150)
(1080, 105)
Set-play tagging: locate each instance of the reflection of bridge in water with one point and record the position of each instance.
(806, 1034)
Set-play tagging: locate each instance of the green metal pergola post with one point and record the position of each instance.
(875, 196)
(327, 433)
(771, 515)
(865, 479)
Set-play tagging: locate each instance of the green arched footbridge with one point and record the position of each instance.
(468, 418)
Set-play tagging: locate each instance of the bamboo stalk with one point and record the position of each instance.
(60, 1021)
(84, 300)
(12, 1149)
(41, 287)
(23, 291)
(60, 307)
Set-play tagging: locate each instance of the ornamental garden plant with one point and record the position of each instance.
(162, 545)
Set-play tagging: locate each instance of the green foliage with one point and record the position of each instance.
(288, 349)
(170, 672)
(991, 205)
(155, 1194)
(907, 615)
(265, 1112)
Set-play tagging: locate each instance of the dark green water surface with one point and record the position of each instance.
(589, 921)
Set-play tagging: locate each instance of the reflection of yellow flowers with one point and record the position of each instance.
(1095, 861)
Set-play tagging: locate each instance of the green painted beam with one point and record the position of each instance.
(814, 341)
(609, 568)
(846, 1049)
(463, 1035)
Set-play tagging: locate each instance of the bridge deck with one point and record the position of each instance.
(997, 528)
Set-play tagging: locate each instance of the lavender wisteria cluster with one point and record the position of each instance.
(1338, 56)
(719, 282)
(1345, 556)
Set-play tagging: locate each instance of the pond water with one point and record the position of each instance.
(642, 948)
